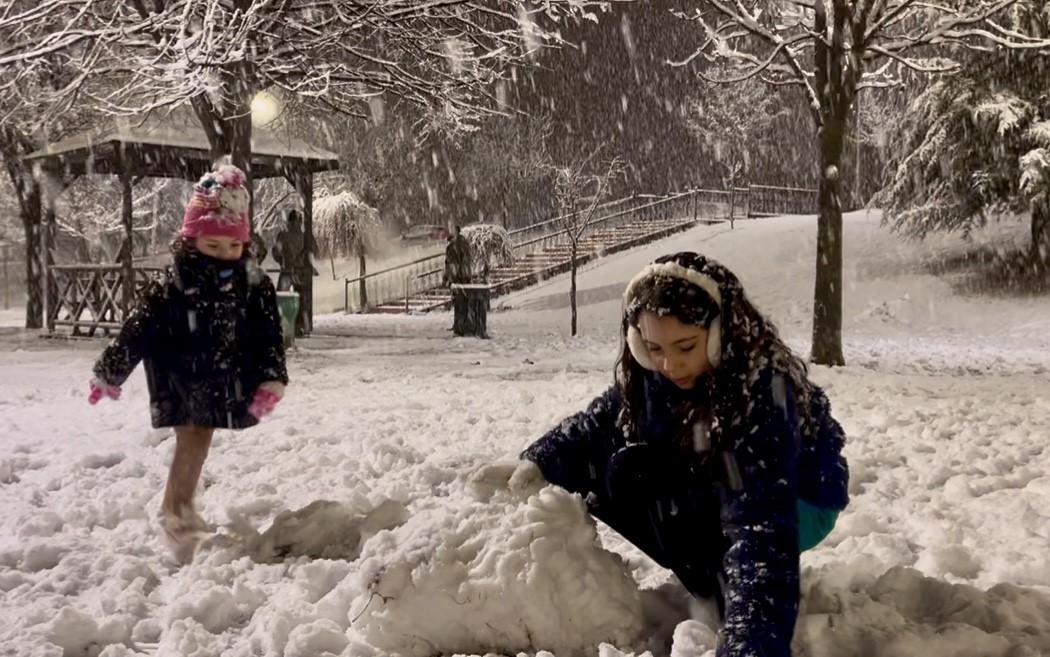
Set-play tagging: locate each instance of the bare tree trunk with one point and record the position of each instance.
(827, 297)
(229, 127)
(127, 292)
(48, 239)
(572, 284)
(1040, 209)
(32, 212)
(834, 93)
(362, 287)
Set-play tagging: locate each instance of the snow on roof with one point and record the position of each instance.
(173, 143)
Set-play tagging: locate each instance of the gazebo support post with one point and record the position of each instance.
(127, 292)
(304, 184)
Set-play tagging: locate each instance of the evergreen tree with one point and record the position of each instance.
(976, 144)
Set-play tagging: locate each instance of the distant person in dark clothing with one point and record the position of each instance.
(292, 254)
(457, 259)
(458, 268)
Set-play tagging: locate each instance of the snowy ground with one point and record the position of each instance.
(945, 549)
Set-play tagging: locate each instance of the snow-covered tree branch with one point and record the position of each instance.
(975, 145)
(217, 53)
(490, 247)
(831, 49)
(734, 121)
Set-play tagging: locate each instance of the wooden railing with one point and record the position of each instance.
(90, 298)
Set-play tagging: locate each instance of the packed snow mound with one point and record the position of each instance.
(321, 530)
(514, 572)
(904, 612)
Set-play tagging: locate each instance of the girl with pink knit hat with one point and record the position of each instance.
(209, 336)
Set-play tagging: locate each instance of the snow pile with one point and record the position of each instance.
(78, 633)
(322, 530)
(905, 613)
(504, 576)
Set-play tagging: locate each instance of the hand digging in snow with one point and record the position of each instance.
(523, 478)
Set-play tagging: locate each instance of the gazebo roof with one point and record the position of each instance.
(172, 144)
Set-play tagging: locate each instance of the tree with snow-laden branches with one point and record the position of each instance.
(978, 143)
(734, 121)
(218, 55)
(345, 226)
(507, 157)
(830, 50)
(29, 114)
(580, 186)
(490, 247)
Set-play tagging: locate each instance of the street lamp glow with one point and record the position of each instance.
(264, 108)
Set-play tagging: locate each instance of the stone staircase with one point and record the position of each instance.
(552, 260)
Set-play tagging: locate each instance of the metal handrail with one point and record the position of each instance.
(784, 189)
(552, 229)
(593, 222)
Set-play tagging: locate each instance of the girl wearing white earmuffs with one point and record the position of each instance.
(713, 452)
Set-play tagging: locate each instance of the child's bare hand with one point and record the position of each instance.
(522, 477)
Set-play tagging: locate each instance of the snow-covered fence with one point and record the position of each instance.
(769, 201)
(416, 278)
(416, 282)
(90, 299)
(402, 281)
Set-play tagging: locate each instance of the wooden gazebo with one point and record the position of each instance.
(89, 299)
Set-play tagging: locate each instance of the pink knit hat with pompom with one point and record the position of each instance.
(219, 207)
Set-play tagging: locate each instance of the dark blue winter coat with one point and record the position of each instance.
(771, 467)
(208, 334)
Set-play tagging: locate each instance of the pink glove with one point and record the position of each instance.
(263, 403)
(100, 389)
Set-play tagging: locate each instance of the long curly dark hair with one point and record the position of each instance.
(749, 344)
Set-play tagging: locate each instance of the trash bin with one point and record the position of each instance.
(288, 307)
(470, 304)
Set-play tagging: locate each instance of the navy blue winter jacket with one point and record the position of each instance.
(207, 342)
(776, 467)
